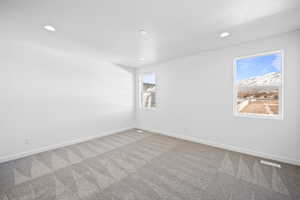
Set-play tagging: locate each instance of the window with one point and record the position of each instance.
(148, 90)
(258, 85)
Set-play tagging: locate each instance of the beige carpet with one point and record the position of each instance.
(147, 166)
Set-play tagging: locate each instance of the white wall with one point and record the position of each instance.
(50, 97)
(195, 95)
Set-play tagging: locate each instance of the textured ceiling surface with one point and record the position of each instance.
(109, 30)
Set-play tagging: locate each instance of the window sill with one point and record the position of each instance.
(148, 109)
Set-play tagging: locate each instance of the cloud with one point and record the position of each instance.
(277, 62)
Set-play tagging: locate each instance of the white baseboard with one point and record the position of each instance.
(60, 145)
(229, 147)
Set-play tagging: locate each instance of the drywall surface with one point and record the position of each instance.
(195, 101)
(49, 98)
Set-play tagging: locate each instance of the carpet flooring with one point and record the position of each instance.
(147, 166)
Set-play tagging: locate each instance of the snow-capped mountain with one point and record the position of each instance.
(270, 79)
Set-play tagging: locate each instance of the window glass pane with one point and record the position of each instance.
(258, 85)
(148, 90)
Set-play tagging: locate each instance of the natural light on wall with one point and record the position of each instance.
(258, 85)
(148, 90)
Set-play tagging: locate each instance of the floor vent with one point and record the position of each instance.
(264, 162)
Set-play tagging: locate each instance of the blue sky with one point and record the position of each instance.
(149, 78)
(258, 66)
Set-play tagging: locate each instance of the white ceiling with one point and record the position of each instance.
(108, 29)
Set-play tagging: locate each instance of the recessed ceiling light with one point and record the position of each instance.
(49, 28)
(224, 34)
(142, 32)
(142, 59)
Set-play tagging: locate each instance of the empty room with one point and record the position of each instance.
(150, 100)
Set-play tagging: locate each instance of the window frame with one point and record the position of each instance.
(141, 92)
(281, 113)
